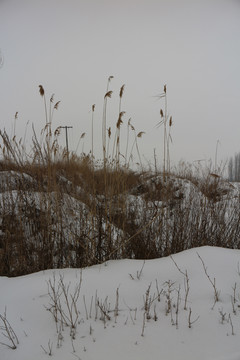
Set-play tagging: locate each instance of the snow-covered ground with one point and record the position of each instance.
(127, 309)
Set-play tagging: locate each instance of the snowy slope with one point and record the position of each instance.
(111, 326)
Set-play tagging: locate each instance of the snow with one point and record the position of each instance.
(13, 179)
(27, 304)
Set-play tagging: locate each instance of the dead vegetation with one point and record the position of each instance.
(64, 210)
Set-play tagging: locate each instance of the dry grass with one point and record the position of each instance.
(58, 213)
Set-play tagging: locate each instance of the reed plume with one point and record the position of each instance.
(93, 109)
(104, 122)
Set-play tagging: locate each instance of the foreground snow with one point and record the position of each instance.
(112, 307)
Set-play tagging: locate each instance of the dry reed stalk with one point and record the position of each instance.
(117, 138)
(93, 109)
(121, 113)
(81, 137)
(109, 132)
(104, 120)
(42, 93)
(104, 129)
(169, 138)
(126, 152)
(135, 143)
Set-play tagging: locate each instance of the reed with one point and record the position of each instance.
(166, 122)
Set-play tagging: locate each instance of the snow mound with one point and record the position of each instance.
(128, 309)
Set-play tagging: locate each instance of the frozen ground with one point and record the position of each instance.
(127, 309)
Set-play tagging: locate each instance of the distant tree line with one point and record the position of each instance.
(234, 168)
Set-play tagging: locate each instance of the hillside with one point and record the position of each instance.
(78, 217)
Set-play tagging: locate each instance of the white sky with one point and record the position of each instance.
(71, 47)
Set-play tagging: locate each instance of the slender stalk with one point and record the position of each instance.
(165, 132)
(107, 95)
(119, 125)
(128, 126)
(104, 130)
(93, 108)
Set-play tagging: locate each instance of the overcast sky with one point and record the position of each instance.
(71, 47)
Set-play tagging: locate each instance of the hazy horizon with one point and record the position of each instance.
(72, 47)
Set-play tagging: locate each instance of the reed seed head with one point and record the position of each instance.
(108, 94)
(56, 105)
(121, 114)
(161, 112)
(52, 97)
(165, 89)
(16, 115)
(82, 136)
(170, 121)
(119, 123)
(121, 91)
(57, 131)
(139, 135)
(93, 107)
(41, 90)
